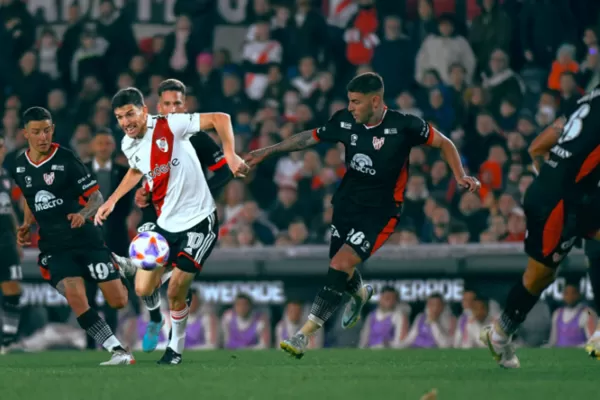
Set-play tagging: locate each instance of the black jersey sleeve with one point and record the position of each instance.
(208, 152)
(81, 180)
(211, 155)
(418, 130)
(332, 130)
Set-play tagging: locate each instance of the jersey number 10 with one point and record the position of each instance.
(574, 125)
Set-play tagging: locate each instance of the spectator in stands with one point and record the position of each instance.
(565, 62)
(468, 298)
(20, 28)
(308, 32)
(569, 94)
(202, 331)
(589, 72)
(244, 327)
(307, 81)
(427, 330)
(30, 84)
(208, 81)
(426, 24)
(480, 318)
(291, 322)
(502, 82)
(490, 30)
(116, 28)
(545, 25)
(573, 323)
(361, 34)
(472, 213)
(386, 326)
(440, 51)
(286, 207)
(394, 58)
(253, 217)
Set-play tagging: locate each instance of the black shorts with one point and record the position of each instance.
(189, 249)
(554, 227)
(363, 229)
(93, 265)
(10, 264)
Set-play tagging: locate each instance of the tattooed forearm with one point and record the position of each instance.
(299, 141)
(94, 202)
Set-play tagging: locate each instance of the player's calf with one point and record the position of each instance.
(11, 295)
(146, 282)
(177, 292)
(114, 293)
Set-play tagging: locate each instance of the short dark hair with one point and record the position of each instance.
(104, 131)
(171, 85)
(369, 82)
(127, 96)
(36, 114)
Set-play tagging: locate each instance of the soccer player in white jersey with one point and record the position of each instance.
(158, 148)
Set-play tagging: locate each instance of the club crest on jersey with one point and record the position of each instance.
(378, 143)
(49, 178)
(162, 144)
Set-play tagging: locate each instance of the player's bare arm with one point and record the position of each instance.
(94, 202)
(23, 234)
(541, 145)
(452, 157)
(221, 123)
(299, 141)
(130, 180)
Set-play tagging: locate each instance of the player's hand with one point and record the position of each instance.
(76, 219)
(103, 212)
(142, 198)
(254, 158)
(24, 235)
(237, 165)
(470, 183)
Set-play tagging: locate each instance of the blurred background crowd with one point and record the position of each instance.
(490, 74)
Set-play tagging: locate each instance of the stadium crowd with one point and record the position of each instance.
(491, 83)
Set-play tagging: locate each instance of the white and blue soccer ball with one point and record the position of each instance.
(149, 250)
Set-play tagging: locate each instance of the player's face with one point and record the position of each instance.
(361, 106)
(171, 102)
(39, 135)
(132, 119)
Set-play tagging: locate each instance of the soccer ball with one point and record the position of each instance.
(149, 250)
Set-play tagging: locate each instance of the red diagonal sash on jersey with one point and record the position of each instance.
(160, 159)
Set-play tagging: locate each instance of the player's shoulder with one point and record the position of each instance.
(342, 115)
(396, 116)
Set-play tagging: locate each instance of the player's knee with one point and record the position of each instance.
(117, 301)
(10, 288)
(144, 289)
(344, 261)
(538, 277)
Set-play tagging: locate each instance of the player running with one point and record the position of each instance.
(158, 148)
(10, 262)
(171, 94)
(368, 202)
(54, 182)
(561, 206)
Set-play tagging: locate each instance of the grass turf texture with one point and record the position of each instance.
(325, 374)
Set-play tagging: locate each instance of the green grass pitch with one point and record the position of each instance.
(324, 375)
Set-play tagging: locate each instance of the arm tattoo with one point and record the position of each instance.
(94, 202)
(299, 141)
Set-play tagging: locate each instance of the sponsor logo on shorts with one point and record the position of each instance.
(362, 163)
(45, 200)
(147, 227)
